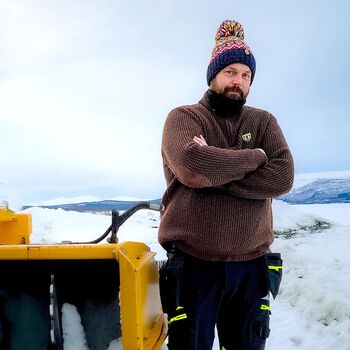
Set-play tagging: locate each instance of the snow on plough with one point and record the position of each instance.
(114, 287)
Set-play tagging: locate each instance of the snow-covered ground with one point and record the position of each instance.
(312, 310)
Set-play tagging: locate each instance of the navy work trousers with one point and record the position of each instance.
(198, 295)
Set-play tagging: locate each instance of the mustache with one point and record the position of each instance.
(236, 89)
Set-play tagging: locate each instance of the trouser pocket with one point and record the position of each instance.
(171, 282)
(260, 325)
(274, 265)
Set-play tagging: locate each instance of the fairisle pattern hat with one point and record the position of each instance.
(229, 48)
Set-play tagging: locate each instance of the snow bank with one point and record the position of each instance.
(286, 217)
(52, 226)
(289, 221)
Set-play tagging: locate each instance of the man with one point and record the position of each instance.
(223, 164)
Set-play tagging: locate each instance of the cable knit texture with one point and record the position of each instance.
(218, 197)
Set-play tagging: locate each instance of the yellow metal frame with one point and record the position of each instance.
(144, 325)
(141, 310)
(59, 252)
(14, 228)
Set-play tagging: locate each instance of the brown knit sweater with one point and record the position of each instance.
(218, 197)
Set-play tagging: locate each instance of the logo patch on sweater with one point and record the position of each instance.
(247, 137)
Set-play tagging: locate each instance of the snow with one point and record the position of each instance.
(336, 212)
(287, 217)
(312, 310)
(55, 226)
(73, 331)
(313, 303)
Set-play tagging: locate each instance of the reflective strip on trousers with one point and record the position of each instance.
(274, 267)
(178, 318)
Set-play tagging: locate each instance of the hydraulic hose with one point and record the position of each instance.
(118, 220)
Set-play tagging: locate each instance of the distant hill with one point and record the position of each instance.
(327, 190)
(94, 206)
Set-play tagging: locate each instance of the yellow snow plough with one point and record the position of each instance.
(114, 287)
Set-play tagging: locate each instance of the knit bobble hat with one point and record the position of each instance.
(229, 48)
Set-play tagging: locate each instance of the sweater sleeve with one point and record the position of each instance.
(202, 166)
(275, 177)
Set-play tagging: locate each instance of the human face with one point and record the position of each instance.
(233, 81)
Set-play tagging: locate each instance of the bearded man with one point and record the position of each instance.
(223, 164)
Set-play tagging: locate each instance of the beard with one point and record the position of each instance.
(227, 103)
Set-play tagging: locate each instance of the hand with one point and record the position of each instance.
(261, 150)
(200, 140)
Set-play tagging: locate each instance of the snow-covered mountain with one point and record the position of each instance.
(333, 187)
(320, 191)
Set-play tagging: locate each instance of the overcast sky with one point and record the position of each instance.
(85, 86)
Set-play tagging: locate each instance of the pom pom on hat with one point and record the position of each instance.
(229, 48)
(229, 28)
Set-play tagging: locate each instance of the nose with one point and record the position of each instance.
(237, 80)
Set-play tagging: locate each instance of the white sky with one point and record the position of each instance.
(85, 86)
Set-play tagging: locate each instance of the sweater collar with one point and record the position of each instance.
(222, 106)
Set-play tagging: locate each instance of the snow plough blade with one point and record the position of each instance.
(113, 287)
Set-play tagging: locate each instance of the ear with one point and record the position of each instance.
(212, 83)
